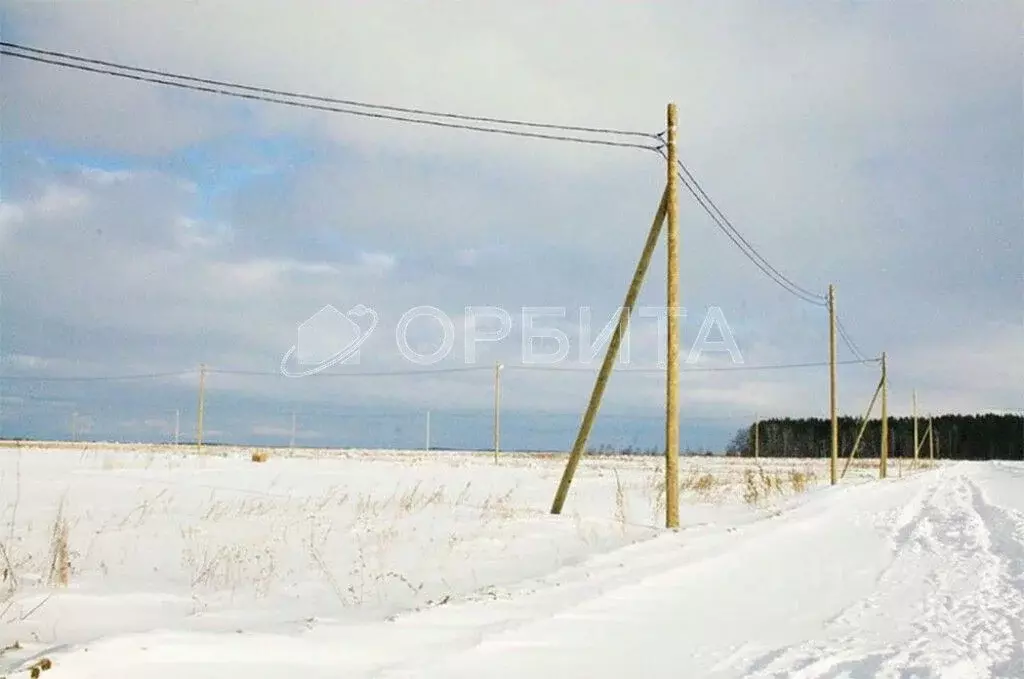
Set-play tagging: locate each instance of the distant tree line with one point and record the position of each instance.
(957, 437)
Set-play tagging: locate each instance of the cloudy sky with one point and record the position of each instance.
(147, 229)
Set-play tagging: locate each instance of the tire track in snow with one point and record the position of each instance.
(1007, 542)
(955, 592)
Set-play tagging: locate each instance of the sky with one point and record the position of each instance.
(146, 230)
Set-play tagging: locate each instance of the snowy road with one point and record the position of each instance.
(921, 578)
(915, 577)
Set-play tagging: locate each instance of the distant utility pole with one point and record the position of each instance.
(931, 440)
(757, 437)
(497, 409)
(202, 405)
(917, 441)
(832, 381)
(883, 465)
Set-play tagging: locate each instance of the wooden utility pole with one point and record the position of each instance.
(609, 358)
(883, 465)
(832, 381)
(917, 441)
(757, 438)
(497, 409)
(672, 301)
(202, 405)
(931, 440)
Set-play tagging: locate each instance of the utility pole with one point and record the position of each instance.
(202, 405)
(757, 437)
(832, 381)
(497, 409)
(883, 465)
(917, 441)
(672, 301)
(931, 440)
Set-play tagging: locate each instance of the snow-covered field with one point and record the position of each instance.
(155, 562)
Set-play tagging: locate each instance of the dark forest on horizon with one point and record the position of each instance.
(956, 437)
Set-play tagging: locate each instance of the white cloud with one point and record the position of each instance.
(27, 361)
(790, 115)
(59, 200)
(105, 177)
(11, 217)
(377, 263)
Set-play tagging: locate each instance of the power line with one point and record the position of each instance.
(95, 378)
(333, 100)
(382, 373)
(723, 223)
(738, 368)
(98, 66)
(726, 226)
(417, 372)
(250, 93)
(847, 340)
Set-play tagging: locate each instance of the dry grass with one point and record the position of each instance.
(704, 484)
(38, 667)
(621, 511)
(60, 552)
(365, 556)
